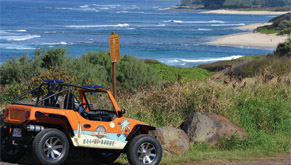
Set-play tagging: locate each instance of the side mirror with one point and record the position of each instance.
(121, 112)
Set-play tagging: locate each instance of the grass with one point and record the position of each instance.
(171, 73)
(221, 65)
(205, 153)
(259, 107)
(250, 66)
(268, 30)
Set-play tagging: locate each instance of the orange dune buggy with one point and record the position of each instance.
(55, 116)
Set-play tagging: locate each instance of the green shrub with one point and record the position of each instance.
(54, 57)
(284, 49)
(133, 73)
(15, 69)
(90, 68)
(11, 91)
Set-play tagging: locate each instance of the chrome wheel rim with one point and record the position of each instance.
(53, 148)
(146, 153)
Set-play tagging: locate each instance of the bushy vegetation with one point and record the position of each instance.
(19, 74)
(284, 49)
(280, 25)
(132, 74)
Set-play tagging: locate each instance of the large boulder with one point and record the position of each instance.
(173, 140)
(203, 127)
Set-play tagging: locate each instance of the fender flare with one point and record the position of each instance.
(52, 115)
(139, 128)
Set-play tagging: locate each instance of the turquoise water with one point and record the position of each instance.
(146, 31)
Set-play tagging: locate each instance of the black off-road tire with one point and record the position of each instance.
(144, 149)
(9, 154)
(106, 157)
(50, 147)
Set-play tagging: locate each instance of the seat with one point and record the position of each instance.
(71, 102)
(51, 101)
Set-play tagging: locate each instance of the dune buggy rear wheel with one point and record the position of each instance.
(50, 147)
(9, 153)
(144, 149)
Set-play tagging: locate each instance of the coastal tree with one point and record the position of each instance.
(213, 4)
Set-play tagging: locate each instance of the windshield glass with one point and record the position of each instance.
(99, 101)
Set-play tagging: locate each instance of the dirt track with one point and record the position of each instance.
(83, 159)
(282, 160)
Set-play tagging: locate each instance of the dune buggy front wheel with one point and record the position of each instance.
(50, 147)
(144, 149)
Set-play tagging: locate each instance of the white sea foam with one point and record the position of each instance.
(195, 22)
(212, 59)
(50, 32)
(182, 62)
(97, 26)
(64, 8)
(239, 24)
(17, 30)
(104, 5)
(55, 43)
(84, 6)
(118, 12)
(201, 29)
(161, 25)
(149, 25)
(19, 38)
(15, 47)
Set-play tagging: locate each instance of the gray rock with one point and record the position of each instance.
(203, 127)
(173, 140)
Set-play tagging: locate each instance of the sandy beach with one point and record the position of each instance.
(250, 39)
(252, 26)
(223, 11)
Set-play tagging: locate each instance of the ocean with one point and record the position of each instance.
(146, 31)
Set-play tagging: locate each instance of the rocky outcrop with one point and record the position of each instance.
(173, 140)
(203, 127)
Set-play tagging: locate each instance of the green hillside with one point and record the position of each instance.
(233, 4)
(280, 25)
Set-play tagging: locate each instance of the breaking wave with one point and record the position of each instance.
(197, 22)
(97, 26)
(181, 61)
(201, 29)
(19, 38)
